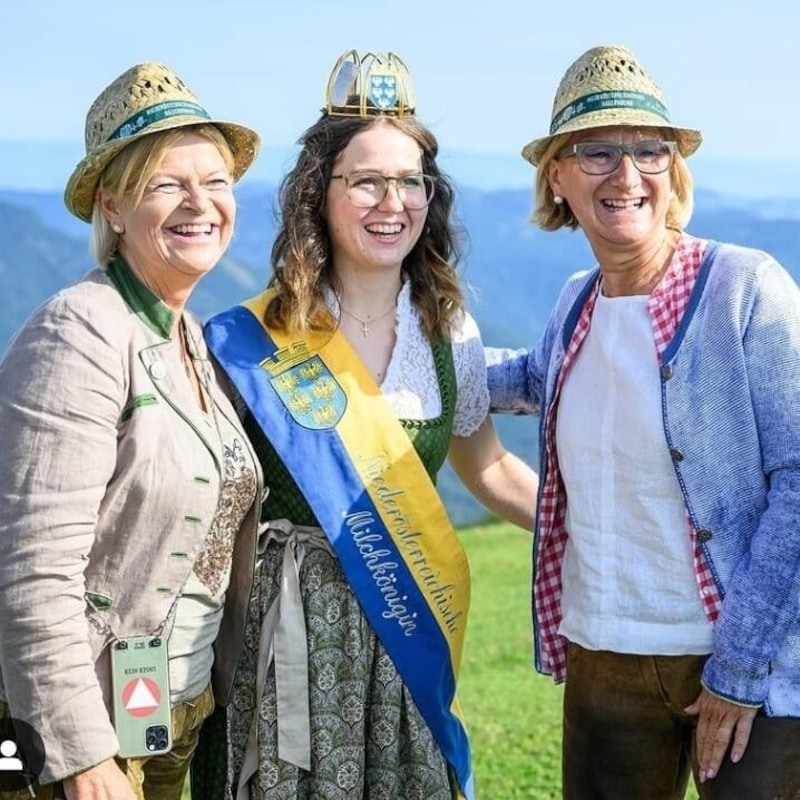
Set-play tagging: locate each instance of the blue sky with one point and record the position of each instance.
(485, 70)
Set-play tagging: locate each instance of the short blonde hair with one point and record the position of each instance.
(551, 216)
(127, 175)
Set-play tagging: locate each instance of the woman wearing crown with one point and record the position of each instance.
(359, 372)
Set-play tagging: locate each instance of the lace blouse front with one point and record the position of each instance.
(411, 385)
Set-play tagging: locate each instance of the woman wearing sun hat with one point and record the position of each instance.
(667, 544)
(128, 490)
(360, 371)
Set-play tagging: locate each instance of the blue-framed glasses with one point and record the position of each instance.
(602, 158)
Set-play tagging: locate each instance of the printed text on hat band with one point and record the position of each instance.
(153, 114)
(615, 99)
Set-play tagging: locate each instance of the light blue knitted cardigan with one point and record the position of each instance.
(731, 405)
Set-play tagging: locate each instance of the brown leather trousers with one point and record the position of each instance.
(626, 736)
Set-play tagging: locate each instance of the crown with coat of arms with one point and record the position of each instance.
(377, 83)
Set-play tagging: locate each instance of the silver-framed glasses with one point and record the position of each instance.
(650, 157)
(368, 189)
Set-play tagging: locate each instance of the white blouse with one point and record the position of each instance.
(628, 576)
(411, 385)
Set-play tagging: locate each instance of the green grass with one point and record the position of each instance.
(513, 714)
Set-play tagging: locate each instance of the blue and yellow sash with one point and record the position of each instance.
(358, 470)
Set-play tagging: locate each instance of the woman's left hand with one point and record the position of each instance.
(719, 721)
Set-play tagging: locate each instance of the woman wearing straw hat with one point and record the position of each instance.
(128, 490)
(667, 544)
(359, 372)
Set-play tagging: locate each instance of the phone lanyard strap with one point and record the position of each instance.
(98, 619)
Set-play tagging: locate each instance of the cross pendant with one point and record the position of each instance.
(364, 329)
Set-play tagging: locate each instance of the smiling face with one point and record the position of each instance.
(379, 238)
(184, 221)
(622, 209)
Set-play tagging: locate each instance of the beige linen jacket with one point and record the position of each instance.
(109, 480)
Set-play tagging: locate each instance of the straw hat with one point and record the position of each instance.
(609, 86)
(377, 83)
(146, 99)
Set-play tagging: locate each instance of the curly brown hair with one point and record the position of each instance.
(302, 253)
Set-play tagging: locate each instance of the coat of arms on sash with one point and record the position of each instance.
(306, 387)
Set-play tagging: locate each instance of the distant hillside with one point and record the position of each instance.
(34, 261)
(514, 269)
(46, 165)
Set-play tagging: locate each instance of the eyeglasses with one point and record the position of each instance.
(368, 189)
(602, 158)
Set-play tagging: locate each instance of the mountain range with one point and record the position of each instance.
(44, 165)
(513, 269)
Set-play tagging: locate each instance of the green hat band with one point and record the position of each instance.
(605, 100)
(149, 116)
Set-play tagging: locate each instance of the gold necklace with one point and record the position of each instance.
(364, 322)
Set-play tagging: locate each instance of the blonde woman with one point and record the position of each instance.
(128, 490)
(667, 544)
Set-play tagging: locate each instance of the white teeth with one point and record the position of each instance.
(385, 229)
(623, 203)
(188, 229)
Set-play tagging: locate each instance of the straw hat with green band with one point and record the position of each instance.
(608, 86)
(145, 99)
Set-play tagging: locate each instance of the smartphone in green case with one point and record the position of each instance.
(140, 683)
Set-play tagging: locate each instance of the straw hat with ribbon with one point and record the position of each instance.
(145, 99)
(363, 86)
(609, 86)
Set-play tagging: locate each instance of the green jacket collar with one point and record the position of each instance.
(151, 310)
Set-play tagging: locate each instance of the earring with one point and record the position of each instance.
(558, 199)
(117, 228)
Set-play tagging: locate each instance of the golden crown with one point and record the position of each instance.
(377, 83)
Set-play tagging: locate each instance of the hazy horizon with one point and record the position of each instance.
(42, 165)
